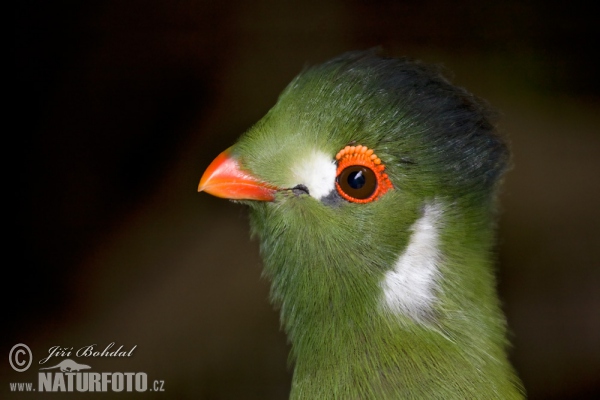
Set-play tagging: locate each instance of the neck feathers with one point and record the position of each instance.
(419, 320)
(410, 287)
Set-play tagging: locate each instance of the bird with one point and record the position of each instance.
(372, 186)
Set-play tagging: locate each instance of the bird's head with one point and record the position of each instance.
(371, 185)
(352, 155)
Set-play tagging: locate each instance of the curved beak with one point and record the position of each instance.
(224, 178)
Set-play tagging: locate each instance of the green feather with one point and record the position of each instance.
(327, 260)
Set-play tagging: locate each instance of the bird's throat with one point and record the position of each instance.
(354, 336)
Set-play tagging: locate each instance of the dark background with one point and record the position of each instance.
(116, 108)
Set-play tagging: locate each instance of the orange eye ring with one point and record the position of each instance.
(360, 176)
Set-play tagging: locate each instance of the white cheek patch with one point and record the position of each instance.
(315, 171)
(410, 287)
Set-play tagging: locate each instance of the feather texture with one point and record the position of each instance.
(394, 298)
(410, 287)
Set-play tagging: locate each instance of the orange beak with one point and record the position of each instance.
(224, 178)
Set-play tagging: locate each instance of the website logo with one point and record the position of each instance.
(69, 375)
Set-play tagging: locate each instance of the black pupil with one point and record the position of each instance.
(356, 179)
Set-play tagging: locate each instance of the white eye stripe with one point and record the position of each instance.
(410, 287)
(317, 172)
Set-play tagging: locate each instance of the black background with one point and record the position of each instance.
(116, 108)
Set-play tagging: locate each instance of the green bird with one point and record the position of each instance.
(372, 187)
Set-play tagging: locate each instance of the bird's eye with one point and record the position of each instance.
(357, 182)
(360, 177)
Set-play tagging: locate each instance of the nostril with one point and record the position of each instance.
(300, 189)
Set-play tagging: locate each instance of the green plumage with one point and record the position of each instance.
(327, 258)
